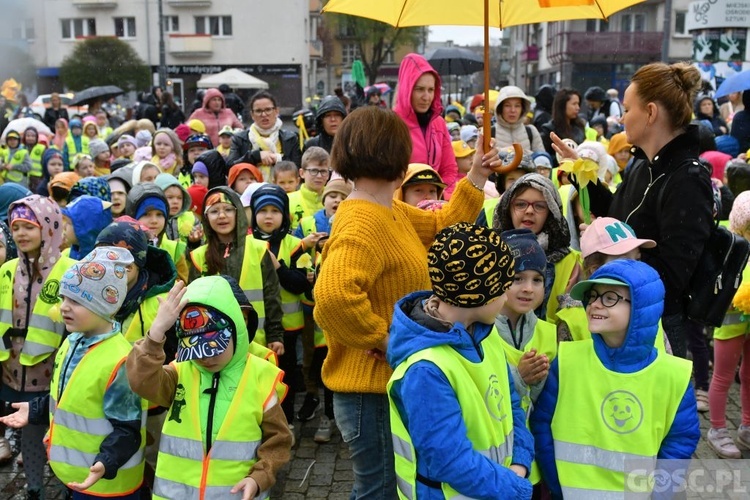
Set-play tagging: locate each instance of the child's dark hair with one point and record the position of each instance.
(315, 155)
(593, 262)
(284, 166)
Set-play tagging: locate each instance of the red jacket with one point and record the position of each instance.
(215, 121)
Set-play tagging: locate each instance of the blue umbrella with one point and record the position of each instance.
(738, 82)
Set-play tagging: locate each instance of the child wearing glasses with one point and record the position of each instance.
(533, 203)
(614, 404)
(315, 172)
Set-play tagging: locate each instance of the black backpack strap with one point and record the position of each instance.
(530, 135)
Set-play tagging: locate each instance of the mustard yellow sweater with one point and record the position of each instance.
(374, 257)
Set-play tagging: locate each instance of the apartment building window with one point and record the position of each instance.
(679, 23)
(597, 25)
(171, 24)
(78, 28)
(346, 30)
(389, 57)
(213, 25)
(349, 52)
(633, 23)
(125, 27)
(24, 31)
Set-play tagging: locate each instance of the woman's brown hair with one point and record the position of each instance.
(674, 86)
(563, 125)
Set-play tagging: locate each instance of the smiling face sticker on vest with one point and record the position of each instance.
(493, 399)
(622, 412)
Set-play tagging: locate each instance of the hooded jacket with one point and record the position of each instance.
(88, 218)
(449, 455)
(636, 353)
(233, 266)
(432, 144)
(165, 181)
(544, 97)
(323, 140)
(156, 383)
(10, 192)
(715, 119)
(215, 121)
(508, 133)
(217, 167)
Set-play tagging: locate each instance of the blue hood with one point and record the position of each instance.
(407, 336)
(647, 306)
(10, 192)
(88, 219)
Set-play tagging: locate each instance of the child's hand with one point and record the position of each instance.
(19, 418)
(312, 239)
(169, 311)
(520, 470)
(275, 261)
(195, 235)
(248, 486)
(532, 367)
(277, 347)
(96, 472)
(310, 276)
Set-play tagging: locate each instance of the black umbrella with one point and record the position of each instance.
(91, 94)
(455, 61)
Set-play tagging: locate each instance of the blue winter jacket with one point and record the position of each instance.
(88, 219)
(322, 224)
(433, 417)
(636, 353)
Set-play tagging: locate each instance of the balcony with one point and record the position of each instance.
(190, 45)
(189, 3)
(605, 47)
(530, 54)
(95, 4)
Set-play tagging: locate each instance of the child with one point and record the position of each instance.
(442, 339)
(90, 130)
(225, 140)
(503, 182)
(543, 163)
(464, 154)
(420, 183)
(196, 127)
(731, 344)
(469, 134)
(182, 224)
(102, 123)
(271, 224)
(165, 147)
(83, 220)
(286, 175)
(147, 204)
(126, 146)
(197, 193)
(14, 161)
(145, 171)
(334, 193)
(95, 444)
(119, 186)
(75, 142)
(245, 437)
(36, 148)
(620, 150)
(60, 186)
(241, 175)
(7, 245)
(315, 172)
(28, 291)
(83, 165)
(99, 152)
(614, 396)
(200, 174)
(52, 164)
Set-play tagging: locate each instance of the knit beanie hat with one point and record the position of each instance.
(268, 195)
(99, 282)
(469, 265)
(97, 147)
(127, 235)
(526, 251)
(197, 193)
(197, 126)
(142, 138)
(23, 213)
(739, 217)
(94, 186)
(469, 132)
(237, 169)
(337, 186)
(128, 139)
(199, 168)
(182, 131)
(151, 203)
(75, 123)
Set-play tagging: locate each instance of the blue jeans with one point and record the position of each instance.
(365, 426)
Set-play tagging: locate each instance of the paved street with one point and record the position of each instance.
(324, 471)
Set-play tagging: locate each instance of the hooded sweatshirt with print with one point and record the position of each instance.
(449, 455)
(157, 383)
(88, 217)
(431, 142)
(235, 254)
(215, 121)
(636, 353)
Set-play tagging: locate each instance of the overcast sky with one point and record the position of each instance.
(462, 35)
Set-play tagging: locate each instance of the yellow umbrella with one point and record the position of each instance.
(495, 13)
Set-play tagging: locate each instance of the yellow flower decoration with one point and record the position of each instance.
(304, 262)
(584, 169)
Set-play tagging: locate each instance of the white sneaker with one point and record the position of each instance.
(701, 400)
(721, 442)
(325, 429)
(291, 429)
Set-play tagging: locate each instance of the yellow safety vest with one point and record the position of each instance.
(563, 270)
(489, 209)
(183, 468)
(734, 325)
(17, 159)
(544, 341)
(72, 150)
(185, 180)
(78, 425)
(483, 393)
(137, 325)
(43, 335)
(578, 325)
(251, 279)
(299, 208)
(605, 420)
(564, 192)
(319, 337)
(185, 224)
(291, 305)
(308, 225)
(104, 132)
(36, 154)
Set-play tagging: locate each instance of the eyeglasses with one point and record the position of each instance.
(214, 213)
(264, 111)
(608, 298)
(318, 172)
(522, 205)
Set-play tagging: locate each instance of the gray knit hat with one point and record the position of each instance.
(97, 147)
(99, 281)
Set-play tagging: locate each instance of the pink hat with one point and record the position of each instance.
(611, 237)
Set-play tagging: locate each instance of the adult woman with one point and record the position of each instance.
(55, 111)
(171, 113)
(215, 115)
(511, 108)
(732, 106)
(741, 123)
(264, 143)
(658, 110)
(328, 118)
(565, 122)
(419, 105)
(376, 254)
(706, 110)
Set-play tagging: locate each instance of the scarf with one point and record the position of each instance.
(167, 164)
(265, 139)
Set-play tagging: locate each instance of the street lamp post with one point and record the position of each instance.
(162, 49)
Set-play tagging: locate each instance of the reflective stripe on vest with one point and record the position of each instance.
(183, 469)
(563, 271)
(43, 335)
(617, 424)
(489, 422)
(78, 426)
(291, 305)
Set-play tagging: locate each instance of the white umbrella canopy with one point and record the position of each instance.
(21, 124)
(235, 78)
